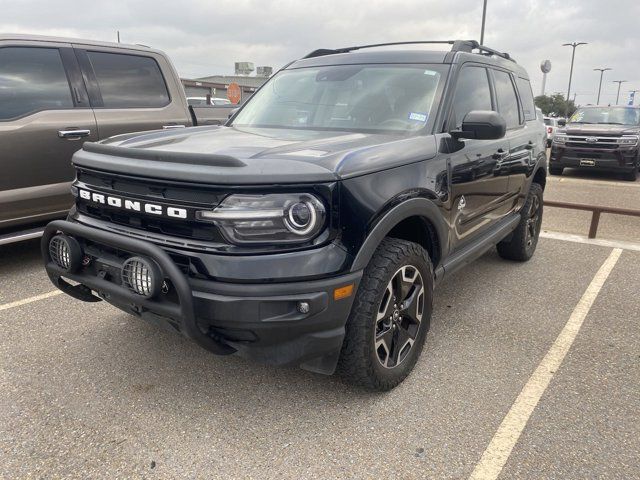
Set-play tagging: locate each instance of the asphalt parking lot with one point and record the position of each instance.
(88, 391)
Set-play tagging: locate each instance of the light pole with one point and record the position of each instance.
(484, 17)
(619, 82)
(601, 70)
(632, 95)
(573, 55)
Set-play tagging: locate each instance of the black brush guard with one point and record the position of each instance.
(184, 311)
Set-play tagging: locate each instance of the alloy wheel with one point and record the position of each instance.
(399, 316)
(533, 221)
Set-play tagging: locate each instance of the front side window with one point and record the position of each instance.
(507, 100)
(129, 81)
(346, 97)
(472, 93)
(31, 80)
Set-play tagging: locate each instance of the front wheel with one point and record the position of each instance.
(524, 239)
(390, 317)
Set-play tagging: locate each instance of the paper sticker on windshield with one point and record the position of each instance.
(577, 117)
(430, 72)
(418, 117)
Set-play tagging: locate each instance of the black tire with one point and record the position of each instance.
(360, 362)
(556, 170)
(522, 243)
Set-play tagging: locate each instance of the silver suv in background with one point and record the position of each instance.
(57, 93)
(551, 124)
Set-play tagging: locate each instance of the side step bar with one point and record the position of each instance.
(21, 235)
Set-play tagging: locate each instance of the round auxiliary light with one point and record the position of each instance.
(66, 252)
(301, 218)
(141, 276)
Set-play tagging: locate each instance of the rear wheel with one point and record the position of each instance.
(524, 239)
(390, 317)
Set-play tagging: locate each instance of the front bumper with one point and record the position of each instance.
(258, 321)
(618, 159)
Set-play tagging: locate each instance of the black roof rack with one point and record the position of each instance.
(456, 46)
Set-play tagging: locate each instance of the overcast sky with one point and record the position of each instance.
(206, 37)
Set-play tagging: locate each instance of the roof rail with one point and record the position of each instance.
(456, 46)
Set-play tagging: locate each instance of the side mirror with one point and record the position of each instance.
(482, 125)
(562, 122)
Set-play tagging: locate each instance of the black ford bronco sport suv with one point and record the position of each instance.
(311, 229)
(599, 138)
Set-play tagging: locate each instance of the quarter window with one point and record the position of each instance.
(129, 81)
(32, 79)
(472, 93)
(526, 96)
(507, 100)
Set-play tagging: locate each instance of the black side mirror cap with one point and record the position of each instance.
(562, 122)
(482, 125)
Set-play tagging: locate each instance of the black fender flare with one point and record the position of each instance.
(414, 207)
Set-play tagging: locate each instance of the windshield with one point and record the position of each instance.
(610, 115)
(346, 97)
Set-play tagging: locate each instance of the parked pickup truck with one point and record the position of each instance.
(599, 138)
(57, 93)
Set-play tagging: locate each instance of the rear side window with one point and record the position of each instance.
(526, 97)
(472, 93)
(129, 81)
(31, 80)
(507, 100)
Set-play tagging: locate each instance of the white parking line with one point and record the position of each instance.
(497, 453)
(17, 303)
(570, 237)
(588, 181)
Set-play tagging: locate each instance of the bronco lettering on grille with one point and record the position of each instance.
(133, 205)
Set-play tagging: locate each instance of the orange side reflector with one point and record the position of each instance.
(343, 292)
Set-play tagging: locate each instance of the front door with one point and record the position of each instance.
(478, 186)
(42, 124)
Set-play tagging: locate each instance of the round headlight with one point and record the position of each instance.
(141, 276)
(301, 218)
(66, 252)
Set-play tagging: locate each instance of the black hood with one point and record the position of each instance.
(235, 155)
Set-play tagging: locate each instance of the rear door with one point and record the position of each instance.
(477, 185)
(44, 118)
(523, 138)
(132, 91)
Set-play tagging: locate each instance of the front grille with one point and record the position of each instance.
(172, 193)
(592, 142)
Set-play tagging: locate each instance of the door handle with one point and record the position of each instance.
(170, 127)
(73, 134)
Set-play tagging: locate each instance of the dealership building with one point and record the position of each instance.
(217, 85)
